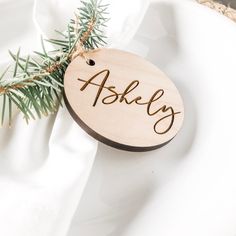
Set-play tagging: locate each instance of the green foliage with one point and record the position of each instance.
(36, 82)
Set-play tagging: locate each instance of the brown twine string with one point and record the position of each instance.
(16, 86)
(2, 90)
(78, 51)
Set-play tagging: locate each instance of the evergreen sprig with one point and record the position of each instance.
(35, 83)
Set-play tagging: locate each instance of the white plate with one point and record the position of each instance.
(187, 187)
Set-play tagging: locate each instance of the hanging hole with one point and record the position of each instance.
(90, 62)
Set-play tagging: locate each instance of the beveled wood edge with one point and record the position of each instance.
(105, 140)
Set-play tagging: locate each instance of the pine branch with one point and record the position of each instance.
(36, 82)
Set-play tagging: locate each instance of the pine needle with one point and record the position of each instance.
(36, 84)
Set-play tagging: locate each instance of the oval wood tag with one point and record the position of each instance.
(123, 100)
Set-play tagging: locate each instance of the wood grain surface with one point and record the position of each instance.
(123, 100)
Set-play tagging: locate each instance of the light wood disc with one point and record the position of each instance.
(123, 100)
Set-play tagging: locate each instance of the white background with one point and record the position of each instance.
(186, 188)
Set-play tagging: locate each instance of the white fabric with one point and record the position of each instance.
(45, 165)
(184, 189)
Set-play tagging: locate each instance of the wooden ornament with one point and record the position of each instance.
(123, 100)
